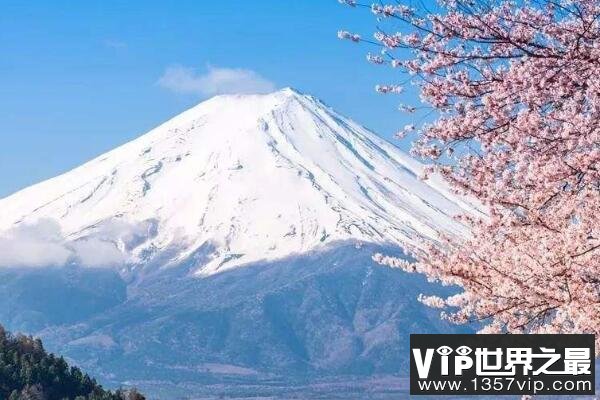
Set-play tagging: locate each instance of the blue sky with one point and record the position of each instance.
(80, 78)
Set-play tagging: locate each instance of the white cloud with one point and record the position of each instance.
(215, 81)
(95, 252)
(34, 245)
(43, 244)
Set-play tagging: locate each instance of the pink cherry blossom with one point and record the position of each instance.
(350, 36)
(516, 86)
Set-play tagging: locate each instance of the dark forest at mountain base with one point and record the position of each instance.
(28, 372)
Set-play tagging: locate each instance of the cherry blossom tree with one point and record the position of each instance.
(516, 87)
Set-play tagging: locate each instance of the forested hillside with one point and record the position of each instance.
(28, 372)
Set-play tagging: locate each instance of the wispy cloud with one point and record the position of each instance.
(43, 244)
(215, 80)
(33, 245)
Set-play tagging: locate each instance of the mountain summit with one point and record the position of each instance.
(253, 176)
(245, 229)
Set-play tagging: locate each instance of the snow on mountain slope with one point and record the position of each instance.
(256, 176)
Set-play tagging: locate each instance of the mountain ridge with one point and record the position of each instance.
(240, 238)
(257, 176)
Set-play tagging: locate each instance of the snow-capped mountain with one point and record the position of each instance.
(280, 184)
(255, 176)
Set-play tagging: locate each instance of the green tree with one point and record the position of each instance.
(28, 372)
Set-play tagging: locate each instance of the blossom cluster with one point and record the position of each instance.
(517, 90)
